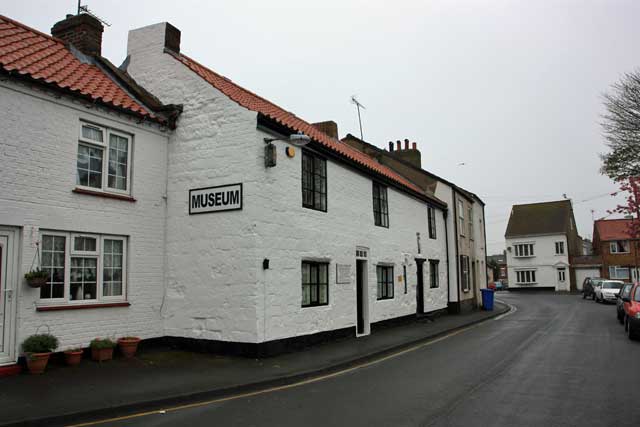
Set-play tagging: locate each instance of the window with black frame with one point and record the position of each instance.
(314, 182)
(434, 281)
(432, 222)
(385, 281)
(380, 205)
(315, 284)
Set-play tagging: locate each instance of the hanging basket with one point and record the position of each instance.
(37, 281)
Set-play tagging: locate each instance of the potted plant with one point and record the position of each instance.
(73, 356)
(128, 346)
(102, 349)
(36, 278)
(37, 349)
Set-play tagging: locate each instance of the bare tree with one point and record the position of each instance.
(622, 128)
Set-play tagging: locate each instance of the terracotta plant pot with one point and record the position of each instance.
(128, 346)
(37, 282)
(73, 357)
(37, 362)
(102, 354)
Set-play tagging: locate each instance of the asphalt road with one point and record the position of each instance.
(558, 360)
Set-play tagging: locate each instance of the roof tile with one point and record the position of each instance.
(253, 102)
(42, 57)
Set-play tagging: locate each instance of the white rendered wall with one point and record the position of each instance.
(217, 288)
(545, 261)
(38, 153)
(444, 192)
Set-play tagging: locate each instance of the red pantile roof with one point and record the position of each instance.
(260, 105)
(613, 229)
(30, 53)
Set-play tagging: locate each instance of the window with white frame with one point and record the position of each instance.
(470, 211)
(559, 248)
(104, 159)
(619, 247)
(524, 250)
(83, 267)
(617, 272)
(384, 275)
(562, 274)
(461, 216)
(524, 277)
(431, 214)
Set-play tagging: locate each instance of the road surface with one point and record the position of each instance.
(558, 360)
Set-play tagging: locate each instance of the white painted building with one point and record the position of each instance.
(83, 196)
(241, 276)
(541, 239)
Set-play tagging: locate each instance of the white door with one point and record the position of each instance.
(8, 283)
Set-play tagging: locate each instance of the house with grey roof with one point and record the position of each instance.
(541, 241)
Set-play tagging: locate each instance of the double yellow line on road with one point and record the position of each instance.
(292, 385)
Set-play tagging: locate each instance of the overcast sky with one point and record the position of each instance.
(512, 89)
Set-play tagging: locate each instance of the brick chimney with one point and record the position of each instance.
(409, 153)
(83, 31)
(329, 127)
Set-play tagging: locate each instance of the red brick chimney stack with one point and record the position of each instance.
(83, 31)
(409, 154)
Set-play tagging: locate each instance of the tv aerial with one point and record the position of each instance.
(358, 106)
(85, 9)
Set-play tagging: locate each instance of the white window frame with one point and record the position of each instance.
(519, 252)
(470, 212)
(615, 269)
(560, 244)
(99, 254)
(104, 145)
(613, 247)
(523, 274)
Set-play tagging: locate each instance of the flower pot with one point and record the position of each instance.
(37, 362)
(37, 282)
(102, 354)
(73, 357)
(128, 346)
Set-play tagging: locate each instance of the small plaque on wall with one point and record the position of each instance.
(343, 273)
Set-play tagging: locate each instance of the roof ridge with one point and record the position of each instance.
(31, 29)
(232, 82)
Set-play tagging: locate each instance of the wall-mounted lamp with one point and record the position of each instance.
(270, 156)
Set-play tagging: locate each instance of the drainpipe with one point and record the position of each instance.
(455, 229)
(484, 233)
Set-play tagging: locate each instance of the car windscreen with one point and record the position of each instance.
(611, 285)
(637, 295)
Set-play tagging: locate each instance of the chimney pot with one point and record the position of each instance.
(83, 31)
(414, 145)
(399, 144)
(406, 144)
(390, 145)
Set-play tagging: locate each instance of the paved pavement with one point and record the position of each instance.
(161, 377)
(558, 360)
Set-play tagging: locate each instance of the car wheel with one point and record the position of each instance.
(626, 323)
(620, 318)
(630, 332)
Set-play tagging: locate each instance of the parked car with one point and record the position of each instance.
(588, 286)
(631, 306)
(607, 290)
(624, 293)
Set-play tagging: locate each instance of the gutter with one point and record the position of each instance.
(455, 228)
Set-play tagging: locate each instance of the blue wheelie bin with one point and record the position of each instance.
(487, 299)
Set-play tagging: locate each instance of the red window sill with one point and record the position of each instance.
(105, 195)
(81, 306)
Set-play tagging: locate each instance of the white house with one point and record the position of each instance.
(83, 155)
(541, 240)
(324, 240)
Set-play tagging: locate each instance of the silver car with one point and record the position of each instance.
(607, 290)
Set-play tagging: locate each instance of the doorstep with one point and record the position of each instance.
(10, 370)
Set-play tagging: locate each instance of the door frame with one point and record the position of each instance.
(420, 285)
(362, 258)
(9, 293)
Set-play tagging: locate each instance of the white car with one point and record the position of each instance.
(607, 290)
